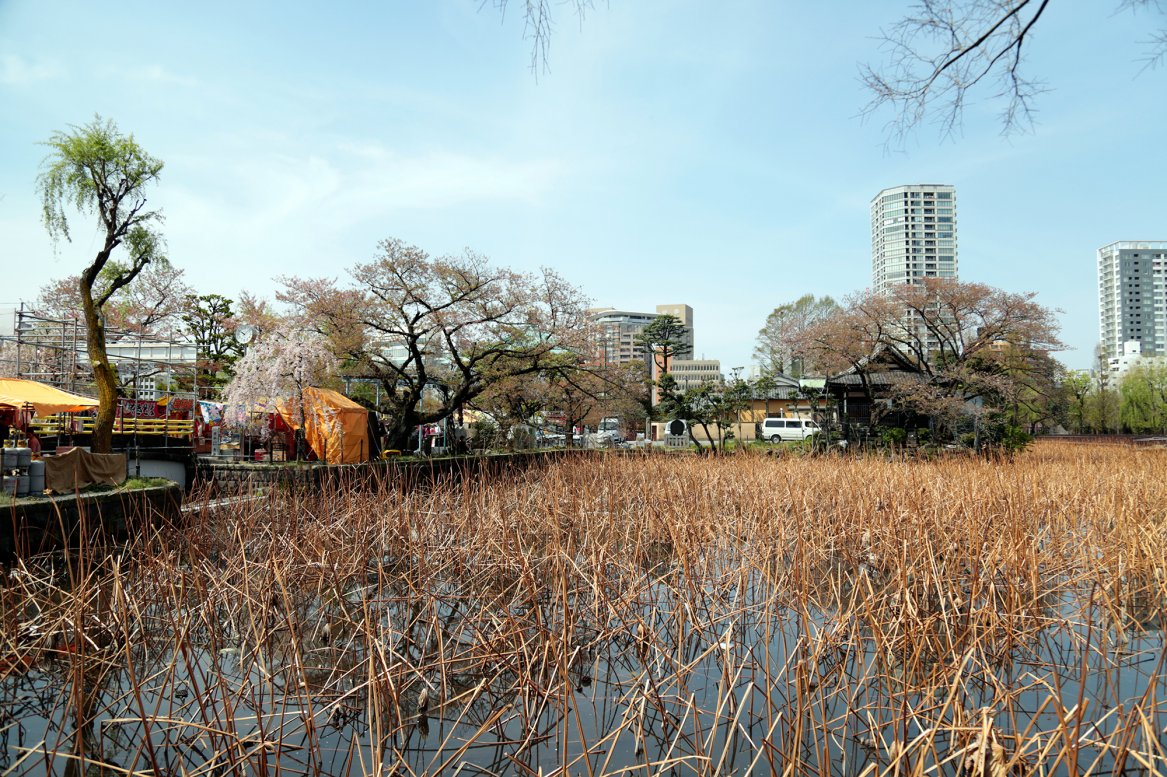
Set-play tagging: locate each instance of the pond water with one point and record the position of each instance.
(707, 667)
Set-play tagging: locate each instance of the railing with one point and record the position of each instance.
(164, 427)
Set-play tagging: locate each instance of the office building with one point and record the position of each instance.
(692, 373)
(1132, 298)
(913, 235)
(618, 330)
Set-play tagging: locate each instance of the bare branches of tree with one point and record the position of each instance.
(943, 50)
(539, 21)
(441, 329)
(1155, 47)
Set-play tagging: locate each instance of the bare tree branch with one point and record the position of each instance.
(539, 24)
(943, 50)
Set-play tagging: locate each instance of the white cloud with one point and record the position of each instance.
(271, 214)
(362, 181)
(160, 75)
(148, 74)
(17, 71)
(444, 178)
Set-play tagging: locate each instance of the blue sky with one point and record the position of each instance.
(674, 151)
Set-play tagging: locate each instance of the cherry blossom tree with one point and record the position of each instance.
(152, 306)
(963, 341)
(445, 328)
(276, 369)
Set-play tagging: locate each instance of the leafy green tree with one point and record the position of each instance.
(211, 324)
(1031, 390)
(710, 404)
(776, 349)
(1076, 387)
(665, 339)
(94, 169)
(1104, 409)
(1143, 395)
(735, 397)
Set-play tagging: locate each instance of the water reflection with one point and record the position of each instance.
(731, 660)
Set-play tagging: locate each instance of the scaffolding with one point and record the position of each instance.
(54, 351)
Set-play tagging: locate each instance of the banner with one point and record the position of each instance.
(212, 412)
(137, 408)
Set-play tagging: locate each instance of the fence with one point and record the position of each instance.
(162, 427)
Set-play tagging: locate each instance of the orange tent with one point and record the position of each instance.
(335, 427)
(44, 399)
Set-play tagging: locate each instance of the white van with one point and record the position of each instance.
(785, 429)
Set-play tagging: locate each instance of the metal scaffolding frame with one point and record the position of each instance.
(54, 351)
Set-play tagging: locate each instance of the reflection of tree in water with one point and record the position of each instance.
(529, 625)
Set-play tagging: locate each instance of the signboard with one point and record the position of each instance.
(216, 441)
(181, 405)
(137, 408)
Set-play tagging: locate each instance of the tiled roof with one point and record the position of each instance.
(888, 378)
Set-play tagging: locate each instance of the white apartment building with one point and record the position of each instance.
(1132, 298)
(913, 234)
(1132, 356)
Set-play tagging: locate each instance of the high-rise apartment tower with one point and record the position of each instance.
(1132, 297)
(913, 234)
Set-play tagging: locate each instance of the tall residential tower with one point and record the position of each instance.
(1132, 298)
(913, 234)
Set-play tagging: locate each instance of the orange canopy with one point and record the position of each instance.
(44, 399)
(335, 427)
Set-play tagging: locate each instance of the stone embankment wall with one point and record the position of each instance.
(37, 525)
(222, 479)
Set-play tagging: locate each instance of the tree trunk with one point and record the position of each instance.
(708, 436)
(104, 375)
(401, 432)
(398, 436)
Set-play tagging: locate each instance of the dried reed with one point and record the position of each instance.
(628, 614)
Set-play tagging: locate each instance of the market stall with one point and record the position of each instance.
(335, 427)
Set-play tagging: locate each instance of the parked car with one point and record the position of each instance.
(786, 429)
